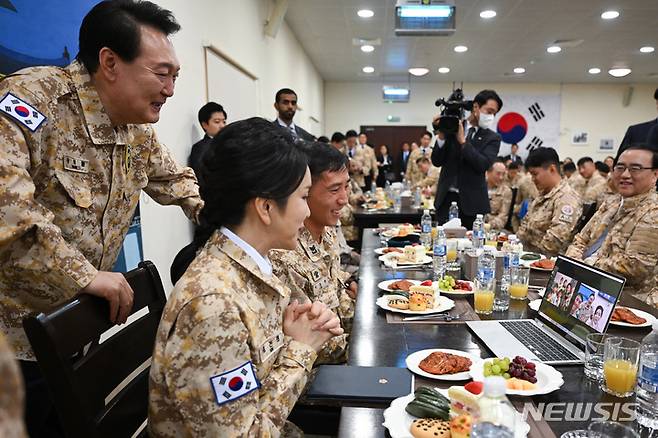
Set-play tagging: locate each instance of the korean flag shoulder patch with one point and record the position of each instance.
(22, 112)
(234, 384)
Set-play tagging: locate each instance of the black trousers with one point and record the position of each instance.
(444, 208)
(40, 416)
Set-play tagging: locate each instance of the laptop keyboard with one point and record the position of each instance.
(536, 340)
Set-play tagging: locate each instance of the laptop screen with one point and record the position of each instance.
(579, 299)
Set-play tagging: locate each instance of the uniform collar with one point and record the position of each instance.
(233, 250)
(314, 250)
(631, 203)
(98, 122)
(263, 264)
(557, 189)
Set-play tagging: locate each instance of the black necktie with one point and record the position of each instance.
(471, 131)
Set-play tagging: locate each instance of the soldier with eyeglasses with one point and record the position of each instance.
(621, 236)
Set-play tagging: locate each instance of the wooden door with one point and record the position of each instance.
(393, 137)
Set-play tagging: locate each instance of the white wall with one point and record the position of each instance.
(596, 109)
(236, 28)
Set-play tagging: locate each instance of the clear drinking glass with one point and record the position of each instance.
(518, 288)
(451, 250)
(620, 362)
(611, 429)
(594, 355)
(483, 298)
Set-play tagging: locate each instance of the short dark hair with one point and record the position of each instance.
(602, 167)
(597, 309)
(655, 94)
(323, 139)
(277, 97)
(248, 159)
(514, 144)
(422, 160)
(654, 153)
(584, 160)
(513, 165)
(206, 111)
(116, 24)
(350, 133)
(337, 136)
(323, 158)
(362, 133)
(569, 167)
(485, 95)
(543, 157)
(426, 133)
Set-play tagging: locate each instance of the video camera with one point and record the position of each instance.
(453, 111)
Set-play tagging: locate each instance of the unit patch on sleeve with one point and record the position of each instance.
(22, 112)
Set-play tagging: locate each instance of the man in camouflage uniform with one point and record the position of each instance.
(369, 154)
(77, 149)
(11, 394)
(313, 268)
(430, 177)
(500, 197)
(621, 236)
(413, 174)
(549, 225)
(590, 184)
(359, 163)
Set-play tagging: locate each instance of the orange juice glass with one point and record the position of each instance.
(451, 250)
(620, 363)
(483, 297)
(518, 289)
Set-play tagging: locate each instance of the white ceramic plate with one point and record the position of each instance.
(642, 314)
(384, 285)
(441, 305)
(548, 378)
(526, 263)
(386, 258)
(413, 360)
(398, 421)
(393, 232)
(459, 292)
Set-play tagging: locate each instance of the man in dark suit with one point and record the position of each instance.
(514, 155)
(212, 118)
(285, 103)
(464, 158)
(403, 159)
(637, 134)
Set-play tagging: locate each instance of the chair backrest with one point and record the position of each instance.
(588, 212)
(510, 213)
(80, 383)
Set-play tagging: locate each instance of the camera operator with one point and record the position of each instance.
(465, 153)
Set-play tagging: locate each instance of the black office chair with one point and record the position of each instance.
(510, 213)
(81, 373)
(588, 212)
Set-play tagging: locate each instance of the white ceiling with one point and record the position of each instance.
(517, 37)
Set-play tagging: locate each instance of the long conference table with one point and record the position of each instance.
(376, 342)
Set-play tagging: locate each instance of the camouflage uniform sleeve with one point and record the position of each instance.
(30, 243)
(499, 220)
(565, 216)
(201, 349)
(11, 394)
(583, 239)
(169, 183)
(373, 164)
(283, 266)
(640, 254)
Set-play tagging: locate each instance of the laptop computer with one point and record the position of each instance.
(579, 300)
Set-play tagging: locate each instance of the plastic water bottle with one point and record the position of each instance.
(501, 296)
(487, 264)
(478, 232)
(373, 188)
(397, 201)
(516, 248)
(646, 410)
(426, 229)
(497, 417)
(453, 212)
(417, 197)
(439, 253)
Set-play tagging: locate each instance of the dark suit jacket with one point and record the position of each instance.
(402, 163)
(468, 163)
(300, 132)
(198, 150)
(518, 159)
(636, 134)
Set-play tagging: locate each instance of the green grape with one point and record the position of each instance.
(506, 375)
(487, 366)
(504, 366)
(495, 369)
(487, 373)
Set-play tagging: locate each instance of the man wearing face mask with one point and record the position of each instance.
(465, 157)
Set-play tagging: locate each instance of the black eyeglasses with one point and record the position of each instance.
(633, 169)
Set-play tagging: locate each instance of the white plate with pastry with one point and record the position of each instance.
(395, 303)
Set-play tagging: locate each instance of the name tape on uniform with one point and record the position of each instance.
(22, 112)
(271, 346)
(234, 384)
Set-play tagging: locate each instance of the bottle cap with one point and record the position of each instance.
(426, 212)
(494, 386)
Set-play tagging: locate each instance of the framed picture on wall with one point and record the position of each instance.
(606, 145)
(580, 137)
